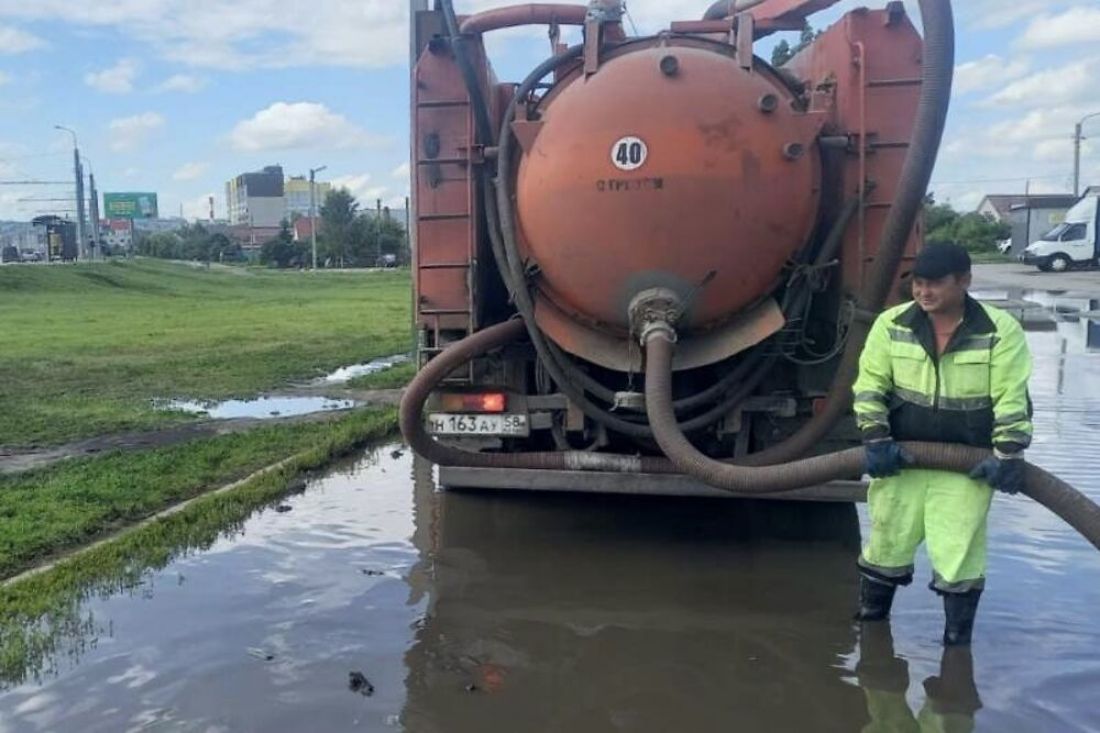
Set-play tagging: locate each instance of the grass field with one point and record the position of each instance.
(85, 349)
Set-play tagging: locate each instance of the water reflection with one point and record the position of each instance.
(595, 615)
(951, 696)
(260, 408)
(487, 612)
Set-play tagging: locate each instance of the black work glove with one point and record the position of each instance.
(1003, 471)
(884, 458)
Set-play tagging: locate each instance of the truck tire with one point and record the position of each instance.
(1043, 265)
(1060, 263)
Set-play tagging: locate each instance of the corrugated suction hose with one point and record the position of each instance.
(1061, 498)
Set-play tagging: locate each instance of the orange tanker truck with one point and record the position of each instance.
(650, 266)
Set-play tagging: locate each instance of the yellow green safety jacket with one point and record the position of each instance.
(975, 393)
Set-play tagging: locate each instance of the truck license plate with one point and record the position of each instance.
(507, 425)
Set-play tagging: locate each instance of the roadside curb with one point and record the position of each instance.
(163, 514)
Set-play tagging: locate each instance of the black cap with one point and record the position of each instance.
(940, 259)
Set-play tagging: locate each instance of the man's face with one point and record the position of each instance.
(945, 294)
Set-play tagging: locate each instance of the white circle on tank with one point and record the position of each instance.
(629, 153)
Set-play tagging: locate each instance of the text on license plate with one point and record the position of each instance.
(447, 424)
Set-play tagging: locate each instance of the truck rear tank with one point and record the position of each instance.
(677, 175)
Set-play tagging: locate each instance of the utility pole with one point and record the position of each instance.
(94, 210)
(313, 210)
(78, 171)
(1077, 138)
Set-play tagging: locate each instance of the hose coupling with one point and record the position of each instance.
(655, 311)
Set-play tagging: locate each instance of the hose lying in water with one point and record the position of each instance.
(1056, 495)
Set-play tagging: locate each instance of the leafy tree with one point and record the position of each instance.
(784, 52)
(338, 224)
(977, 232)
(165, 245)
(283, 251)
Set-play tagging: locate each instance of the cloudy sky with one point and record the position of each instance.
(176, 97)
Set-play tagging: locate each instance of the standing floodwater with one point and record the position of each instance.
(489, 612)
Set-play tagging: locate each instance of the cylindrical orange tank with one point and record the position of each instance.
(672, 166)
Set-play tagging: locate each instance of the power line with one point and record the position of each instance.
(999, 180)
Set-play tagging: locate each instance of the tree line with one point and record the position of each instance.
(346, 237)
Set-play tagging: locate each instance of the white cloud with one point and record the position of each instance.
(15, 41)
(1079, 24)
(199, 207)
(992, 14)
(130, 172)
(401, 172)
(989, 71)
(299, 125)
(190, 171)
(118, 79)
(361, 188)
(5, 78)
(186, 83)
(1050, 86)
(245, 33)
(130, 133)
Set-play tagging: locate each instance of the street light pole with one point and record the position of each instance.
(78, 172)
(1077, 138)
(313, 210)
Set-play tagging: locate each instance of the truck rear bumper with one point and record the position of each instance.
(636, 484)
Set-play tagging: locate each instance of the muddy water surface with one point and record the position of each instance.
(484, 612)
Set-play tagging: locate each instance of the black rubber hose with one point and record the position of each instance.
(483, 126)
(1072, 506)
(573, 381)
(456, 355)
(522, 296)
(936, 75)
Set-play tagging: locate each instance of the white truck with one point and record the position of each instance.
(1073, 243)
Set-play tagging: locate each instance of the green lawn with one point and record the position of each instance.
(85, 349)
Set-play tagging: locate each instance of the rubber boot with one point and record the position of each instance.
(960, 609)
(875, 599)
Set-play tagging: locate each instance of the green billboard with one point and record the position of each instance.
(130, 205)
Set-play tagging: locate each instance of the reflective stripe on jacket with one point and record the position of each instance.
(975, 393)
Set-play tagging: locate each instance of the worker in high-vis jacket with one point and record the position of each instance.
(944, 368)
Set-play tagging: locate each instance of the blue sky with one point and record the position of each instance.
(176, 97)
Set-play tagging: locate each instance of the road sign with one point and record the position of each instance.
(130, 206)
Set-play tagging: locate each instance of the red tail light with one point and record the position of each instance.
(483, 402)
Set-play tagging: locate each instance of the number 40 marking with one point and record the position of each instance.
(629, 153)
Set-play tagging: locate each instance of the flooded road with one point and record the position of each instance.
(488, 612)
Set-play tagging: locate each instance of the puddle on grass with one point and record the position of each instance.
(503, 612)
(259, 408)
(344, 374)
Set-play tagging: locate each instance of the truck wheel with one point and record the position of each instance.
(1060, 263)
(1043, 265)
